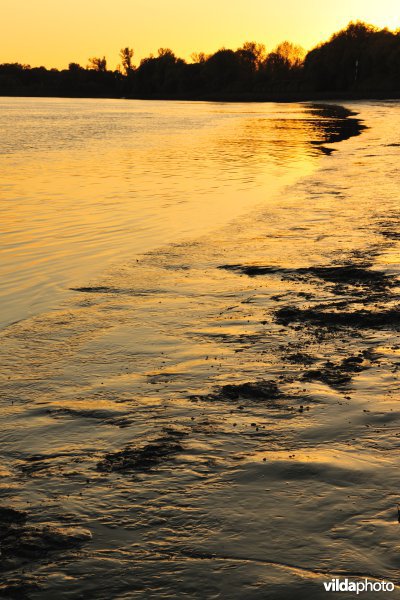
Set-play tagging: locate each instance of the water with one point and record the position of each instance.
(213, 412)
(85, 183)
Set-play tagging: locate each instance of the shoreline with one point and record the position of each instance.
(221, 412)
(330, 124)
(284, 98)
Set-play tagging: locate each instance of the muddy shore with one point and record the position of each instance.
(218, 418)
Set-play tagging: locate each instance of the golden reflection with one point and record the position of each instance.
(135, 186)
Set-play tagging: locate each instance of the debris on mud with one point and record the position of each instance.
(254, 391)
(98, 289)
(262, 392)
(22, 541)
(365, 319)
(55, 463)
(144, 458)
(349, 274)
(258, 390)
(105, 289)
(9, 517)
(337, 375)
(299, 358)
(18, 588)
(107, 417)
(253, 270)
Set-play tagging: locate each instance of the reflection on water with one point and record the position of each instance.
(86, 182)
(218, 417)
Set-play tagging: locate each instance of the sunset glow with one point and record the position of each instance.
(199, 315)
(53, 34)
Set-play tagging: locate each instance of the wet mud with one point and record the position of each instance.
(217, 419)
(23, 542)
(344, 275)
(387, 319)
(141, 459)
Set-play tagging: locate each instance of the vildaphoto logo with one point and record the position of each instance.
(359, 586)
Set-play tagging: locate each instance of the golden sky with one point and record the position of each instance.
(55, 32)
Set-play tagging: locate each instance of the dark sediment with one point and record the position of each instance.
(337, 375)
(349, 274)
(367, 286)
(257, 391)
(103, 416)
(260, 393)
(365, 319)
(141, 458)
(100, 289)
(299, 358)
(22, 541)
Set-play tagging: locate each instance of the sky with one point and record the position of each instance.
(54, 33)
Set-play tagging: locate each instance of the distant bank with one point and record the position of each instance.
(232, 97)
(360, 62)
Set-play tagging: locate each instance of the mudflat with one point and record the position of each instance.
(218, 417)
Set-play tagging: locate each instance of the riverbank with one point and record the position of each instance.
(283, 97)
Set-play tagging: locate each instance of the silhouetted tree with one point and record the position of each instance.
(257, 50)
(75, 67)
(292, 54)
(159, 75)
(166, 53)
(282, 68)
(221, 70)
(198, 57)
(98, 64)
(126, 55)
(359, 58)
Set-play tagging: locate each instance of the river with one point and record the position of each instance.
(200, 350)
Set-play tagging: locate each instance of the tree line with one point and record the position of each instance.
(360, 59)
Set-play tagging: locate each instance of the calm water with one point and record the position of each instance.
(215, 412)
(85, 183)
